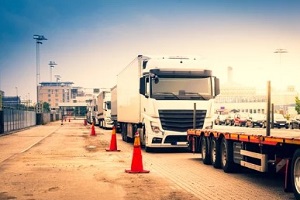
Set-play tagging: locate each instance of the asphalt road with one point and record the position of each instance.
(65, 162)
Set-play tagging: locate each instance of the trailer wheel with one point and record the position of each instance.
(227, 156)
(215, 153)
(295, 174)
(205, 150)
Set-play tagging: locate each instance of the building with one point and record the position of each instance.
(80, 103)
(241, 98)
(54, 93)
(11, 102)
(238, 97)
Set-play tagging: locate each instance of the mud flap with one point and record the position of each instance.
(287, 176)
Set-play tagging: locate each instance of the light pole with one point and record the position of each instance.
(17, 98)
(17, 91)
(28, 99)
(51, 64)
(38, 39)
(280, 51)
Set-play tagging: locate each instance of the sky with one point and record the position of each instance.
(91, 41)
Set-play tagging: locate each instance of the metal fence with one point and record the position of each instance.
(13, 119)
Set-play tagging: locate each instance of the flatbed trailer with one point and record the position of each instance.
(229, 150)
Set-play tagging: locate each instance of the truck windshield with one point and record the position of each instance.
(182, 89)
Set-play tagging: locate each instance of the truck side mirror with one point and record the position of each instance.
(142, 85)
(217, 86)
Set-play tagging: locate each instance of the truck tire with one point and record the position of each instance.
(226, 152)
(205, 151)
(295, 174)
(124, 133)
(215, 153)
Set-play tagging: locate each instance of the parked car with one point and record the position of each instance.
(229, 119)
(240, 119)
(255, 119)
(220, 119)
(279, 121)
(295, 122)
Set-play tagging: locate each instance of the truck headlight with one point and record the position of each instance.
(155, 128)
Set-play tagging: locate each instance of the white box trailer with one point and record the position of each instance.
(156, 97)
(104, 109)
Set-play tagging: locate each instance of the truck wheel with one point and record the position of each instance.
(291, 126)
(124, 133)
(251, 125)
(295, 174)
(215, 153)
(205, 150)
(227, 156)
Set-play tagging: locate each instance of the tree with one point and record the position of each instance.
(297, 107)
(46, 107)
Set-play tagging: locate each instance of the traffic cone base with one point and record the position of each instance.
(135, 172)
(112, 150)
(113, 141)
(137, 163)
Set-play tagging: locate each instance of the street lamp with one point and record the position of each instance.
(38, 39)
(17, 91)
(51, 64)
(280, 51)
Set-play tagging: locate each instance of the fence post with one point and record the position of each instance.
(1, 122)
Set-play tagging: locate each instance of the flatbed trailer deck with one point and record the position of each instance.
(229, 150)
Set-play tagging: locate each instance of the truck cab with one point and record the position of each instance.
(176, 95)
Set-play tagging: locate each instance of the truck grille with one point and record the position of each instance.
(181, 120)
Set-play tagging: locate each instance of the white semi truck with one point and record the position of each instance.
(91, 111)
(104, 109)
(162, 97)
(114, 108)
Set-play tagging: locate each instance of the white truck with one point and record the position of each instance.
(162, 97)
(91, 111)
(104, 109)
(114, 108)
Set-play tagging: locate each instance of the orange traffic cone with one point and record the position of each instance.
(113, 141)
(93, 133)
(137, 163)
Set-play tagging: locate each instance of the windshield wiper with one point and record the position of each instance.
(171, 93)
(195, 93)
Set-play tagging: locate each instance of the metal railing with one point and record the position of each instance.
(14, 119)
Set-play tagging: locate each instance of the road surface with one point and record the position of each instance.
(57, 161)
